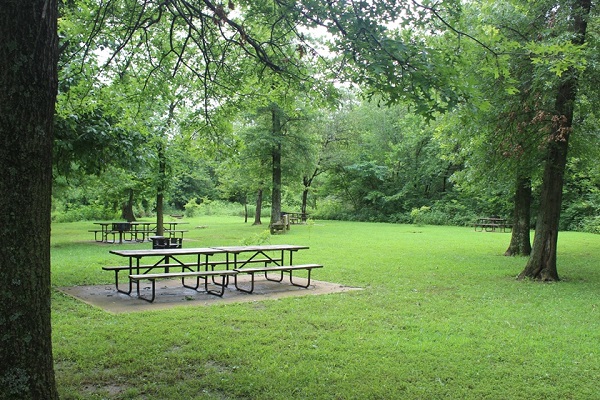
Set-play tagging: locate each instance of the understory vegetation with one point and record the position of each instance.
(439, 315)
(580, 216)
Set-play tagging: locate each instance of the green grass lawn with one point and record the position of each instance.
(441, 316)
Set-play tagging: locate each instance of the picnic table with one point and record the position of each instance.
(134, 231)
(110, 229)
(295, 218)
(197, 263)
(492, 224)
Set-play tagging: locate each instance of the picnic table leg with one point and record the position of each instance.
(222, 285)
(251, 283)
(130, 273)
(151, 299)
(299, 285)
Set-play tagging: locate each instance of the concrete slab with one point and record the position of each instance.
(170, 293)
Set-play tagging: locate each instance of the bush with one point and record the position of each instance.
(590, 225)
(419, 216)
(70, 213)
(580, 215)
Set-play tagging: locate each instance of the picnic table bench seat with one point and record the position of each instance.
(281, 269)
(146, 268)
(224, 274)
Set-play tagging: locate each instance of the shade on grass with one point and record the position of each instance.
(441, 316)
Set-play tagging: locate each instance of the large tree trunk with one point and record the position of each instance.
(276, 157)
(258, 211)
(28, 82)
(542, 263)
(520, 241)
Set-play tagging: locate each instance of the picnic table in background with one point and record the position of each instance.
(110, 229)
(491, 224)
(142, 231)
(295, 218)
(103, 231)
(134, 231)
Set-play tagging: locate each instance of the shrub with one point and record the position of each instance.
(419, 215)
(590, 225)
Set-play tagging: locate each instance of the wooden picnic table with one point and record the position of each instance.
(491, 224)
(139, 231)
(111, 228)
(195, 263)
(295, 218)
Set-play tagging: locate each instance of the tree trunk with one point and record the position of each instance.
(520, 241)
(162, 176)
(276, 157)
(542, 262)
(28, 82)
(304, 203)
(127, 211)
(257, 213)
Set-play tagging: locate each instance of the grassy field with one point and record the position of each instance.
(441, 316)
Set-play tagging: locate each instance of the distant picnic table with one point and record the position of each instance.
(295, 218)
(492, 224)
(119, 231)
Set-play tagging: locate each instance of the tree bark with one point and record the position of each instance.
(276, 157)
(257, 212)
(542, 262)
(520, 241)
(28, 82)
(303, 208)
(307, 181)
(127, 211)
(160, 190)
